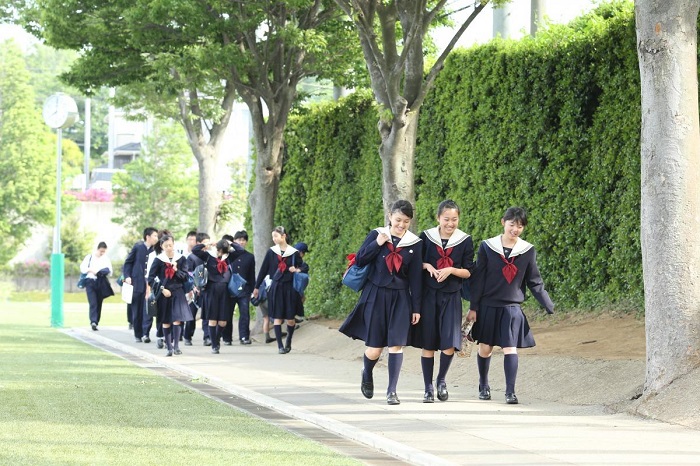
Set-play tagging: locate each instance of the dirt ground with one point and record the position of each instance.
(593, 361)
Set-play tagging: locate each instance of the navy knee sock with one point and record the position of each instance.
(212, 335)
(483, 365)
(168, 338)
(445, 361)
(428, 365)
(278, 335)
(395, 361)
(510, 367)
(290, 332)
(177, 331)
(368, 365)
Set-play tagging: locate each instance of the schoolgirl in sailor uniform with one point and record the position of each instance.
(390, 301)
(448, 259)
(169, 268)
(283, 301)
(505, 265)
(216, 295)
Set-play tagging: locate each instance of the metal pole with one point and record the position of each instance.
(57, 263)
(86, 141)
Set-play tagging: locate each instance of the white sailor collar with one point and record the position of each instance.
(458, 236)
(409, 239)
(164, 258)
(521, 246)
(287, 252)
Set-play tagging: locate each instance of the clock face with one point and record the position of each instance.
(60, 111)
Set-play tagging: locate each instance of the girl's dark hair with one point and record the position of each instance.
(516, 214)
(164, 236)
(447, 204)
(403, 207)
(223, 246)
(102, 245)
(282, 231)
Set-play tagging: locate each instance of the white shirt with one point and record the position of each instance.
(96, 263)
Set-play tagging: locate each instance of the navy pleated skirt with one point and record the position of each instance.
(283, 301)
(173, 309)
(440, 325)
(506, 327)
(382, 317)
(217, 300)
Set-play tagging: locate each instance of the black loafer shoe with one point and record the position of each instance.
(207, 341)
(392, 399)
(282, 350)
(428, 397)
(367, 388)
(215, 351)
(188, 342)
(160, 343)
(94, 326)
(484, 393)
(245, 341)
(169, 353)
(146, 339)
(288, 348)
(442, 392)
(177, 351)
(269, 339)
(511, 399)
(228, 343)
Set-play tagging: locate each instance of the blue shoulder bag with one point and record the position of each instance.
(355, 277)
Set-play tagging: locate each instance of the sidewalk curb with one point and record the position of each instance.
(388, 446)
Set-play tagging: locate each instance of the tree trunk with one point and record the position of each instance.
(397, 152)
(209, 195)
(667, 50)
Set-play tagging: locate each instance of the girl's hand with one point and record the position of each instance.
(293, 269)
(442, 274)
(255, 293)
(382, 238)
(167, 293)
(471, 316)
(175, 266)
(415, 318)
(431, 270)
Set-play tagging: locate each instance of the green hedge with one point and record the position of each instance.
(551, 124)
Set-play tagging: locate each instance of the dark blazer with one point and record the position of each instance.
(244, 265)
(135, 266)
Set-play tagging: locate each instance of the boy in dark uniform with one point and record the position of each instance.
(134, 271)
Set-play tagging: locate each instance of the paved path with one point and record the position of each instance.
(325, 392)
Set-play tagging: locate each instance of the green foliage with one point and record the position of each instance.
(27, 157)
(160, 187)
(550, 123)
(76, 242)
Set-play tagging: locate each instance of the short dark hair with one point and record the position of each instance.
(228, 238)
(102, 245)
(447, 204)
(403, 207)
(148, 232)
(241, 235)
(201, 236)
(223, 245)
(191, 233)
(516, 214)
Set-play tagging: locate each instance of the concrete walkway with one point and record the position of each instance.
(464, 430)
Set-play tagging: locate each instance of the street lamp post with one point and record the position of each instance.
(60, 111)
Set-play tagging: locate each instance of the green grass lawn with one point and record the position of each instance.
(65, 403)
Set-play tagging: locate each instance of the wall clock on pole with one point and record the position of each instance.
(60, 111)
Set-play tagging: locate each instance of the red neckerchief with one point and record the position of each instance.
(445, 259)
(169, 271)
(393, 259)
(221, 266)
(509, 270)
(281, 264)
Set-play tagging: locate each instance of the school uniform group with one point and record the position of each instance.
(413, 291)
(173, 281)
(412, 295)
